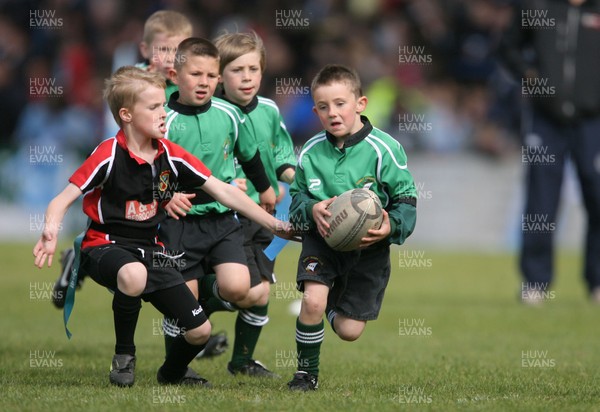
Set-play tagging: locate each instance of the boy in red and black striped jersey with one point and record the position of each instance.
(128, 184)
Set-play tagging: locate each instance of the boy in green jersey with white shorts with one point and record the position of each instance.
(350, 153)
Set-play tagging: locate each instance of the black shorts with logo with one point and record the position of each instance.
(165, 287)
(356, 280)
(212, 238)
(257, 238)
(102, 263)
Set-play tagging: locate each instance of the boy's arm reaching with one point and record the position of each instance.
(237, 200)
(46, 245)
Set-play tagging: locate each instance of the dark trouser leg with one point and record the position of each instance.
(586, 155)
(544, 153)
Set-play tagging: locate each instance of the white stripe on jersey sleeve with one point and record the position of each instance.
(268, 102)
(109, 160)
(172, 159)
(389, 150)
(229, 110)
(311, 142)
(169, 121)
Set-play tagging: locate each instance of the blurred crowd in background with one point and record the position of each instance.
(430, 70)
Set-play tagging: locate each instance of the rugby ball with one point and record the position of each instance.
(353, 213)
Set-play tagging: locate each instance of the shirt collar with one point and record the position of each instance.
(245, 109)
(354, 138)
(186, 109)
(122, 141)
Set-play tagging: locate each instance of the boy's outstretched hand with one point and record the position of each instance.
(179, 205)
(286, 230)
(320, 212)
(45, 248)
(375, 235)
(267, 200)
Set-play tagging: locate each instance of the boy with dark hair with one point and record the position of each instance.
(350, 153)
(243, 60)
(216, 132)
(126, 182)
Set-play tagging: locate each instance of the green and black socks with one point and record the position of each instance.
(308, 344)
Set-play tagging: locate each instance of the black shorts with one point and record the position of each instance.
(257, 238)
(356, 280)
(214, 238)
(102, 263)
(179, 305)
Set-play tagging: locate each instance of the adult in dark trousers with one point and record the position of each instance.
(553, 49)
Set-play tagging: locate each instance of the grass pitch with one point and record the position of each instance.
(450, 336)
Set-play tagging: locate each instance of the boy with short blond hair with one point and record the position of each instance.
(350, 153)
(126, 182)
(163, 31)
(243, 60)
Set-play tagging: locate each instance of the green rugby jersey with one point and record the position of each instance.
(171, 87)
(215, 133)
(274, 142)
(371, 159)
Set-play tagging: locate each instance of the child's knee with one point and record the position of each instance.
(349, 335)
(131, 279)
(257, 296)
(312, 305)
(234, 291)
(349, 330)
(198, 335)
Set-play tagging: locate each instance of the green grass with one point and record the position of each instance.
(468, 355)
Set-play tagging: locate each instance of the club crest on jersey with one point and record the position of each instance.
(365, 182)
(163, 181)
(226, 148)
(136, 210)
(312, 264)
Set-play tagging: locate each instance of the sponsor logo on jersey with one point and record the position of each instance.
(135, 210)
(315, 184)
(196, 312)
